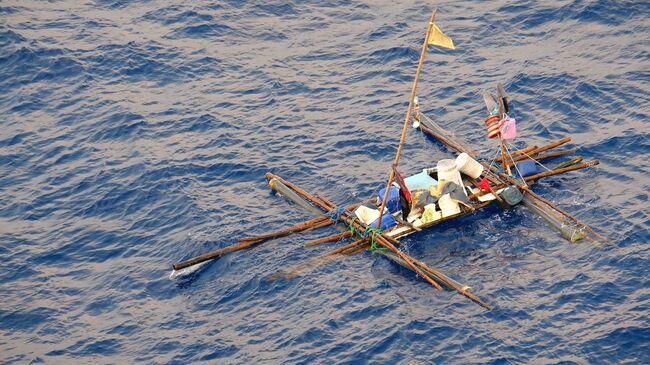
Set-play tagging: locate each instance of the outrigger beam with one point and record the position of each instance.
(570, 227)
(428, 273)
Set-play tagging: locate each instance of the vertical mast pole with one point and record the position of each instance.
(391, 176)
(504, 156)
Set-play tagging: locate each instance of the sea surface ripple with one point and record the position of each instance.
(137, 133)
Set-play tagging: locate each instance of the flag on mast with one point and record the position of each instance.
(438, 38)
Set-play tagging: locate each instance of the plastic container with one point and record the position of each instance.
(527, 168)
(366, 215)
(421, 181)
(511, 196)
(469, 166)
(448, 206)
(393, 203)
(430, 214)
(387, 221)
(447, 170)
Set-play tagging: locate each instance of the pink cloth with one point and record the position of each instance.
(508, 128)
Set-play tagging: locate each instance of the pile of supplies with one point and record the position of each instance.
(428, 196)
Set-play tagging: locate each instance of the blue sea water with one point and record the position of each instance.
(137, 134)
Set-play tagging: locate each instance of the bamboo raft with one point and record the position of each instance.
(386, 242)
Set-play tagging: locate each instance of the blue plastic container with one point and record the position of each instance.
(387, 221)
(527, 168)
(393, 203)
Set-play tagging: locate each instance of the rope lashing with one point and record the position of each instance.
(523, 180)
(373, 232)
(335, 214)
(353, 230)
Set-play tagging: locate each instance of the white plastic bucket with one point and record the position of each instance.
(448, 171)
(448, 206)
(469, 166)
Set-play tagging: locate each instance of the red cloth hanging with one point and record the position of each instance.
(484, 184)
(402, 186)
(405, 194)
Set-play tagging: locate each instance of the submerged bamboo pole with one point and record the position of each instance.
(449, 283)
(497, 180)
(332, 238)
(564, 213)
(548, 203)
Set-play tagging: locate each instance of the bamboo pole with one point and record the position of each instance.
(287, 231)
(542, 149)
(504, 160)
(352, 245)
(554, 154)
(248, 242)
(407, 119)
(522, 151)
(551, 145)
(379, 237)
(213, 254)
(497, 180)
(544, 156)
(302, 227)
(562, 170)
(300, 268)
(564, 213)
(536, 177)
(574, 161)
(332, 238)
(537, 150)
(363, 244)
(461, 289)
(447, 142)
(550, 204)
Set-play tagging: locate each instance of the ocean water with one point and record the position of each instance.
(137, 134)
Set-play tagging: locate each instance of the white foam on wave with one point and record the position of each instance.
(175, 274)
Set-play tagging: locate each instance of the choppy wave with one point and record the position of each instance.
(137, 134)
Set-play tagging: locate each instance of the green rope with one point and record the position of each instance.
(373, 232)
(353, 229)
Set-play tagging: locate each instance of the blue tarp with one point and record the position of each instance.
(420, 181)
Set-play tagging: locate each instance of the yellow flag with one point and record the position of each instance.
(438, 38)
